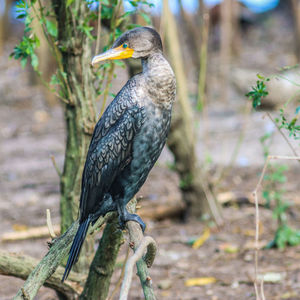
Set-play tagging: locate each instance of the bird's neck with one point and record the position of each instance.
(160, 79)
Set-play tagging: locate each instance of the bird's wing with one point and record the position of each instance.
(108, 155)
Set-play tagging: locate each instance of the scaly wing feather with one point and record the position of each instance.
(110, 151)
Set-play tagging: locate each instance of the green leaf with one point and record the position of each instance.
(54, 80)
(23, 62)
(34, 61)
(69, 2)
(146, 17)
(51, 28)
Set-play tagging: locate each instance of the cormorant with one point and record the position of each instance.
(129, 137)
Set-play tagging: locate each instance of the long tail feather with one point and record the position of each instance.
(76, 247)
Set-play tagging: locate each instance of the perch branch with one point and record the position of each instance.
(136, 237)
(255, 196)
(21, 266)
(146, 243)
(47, 266)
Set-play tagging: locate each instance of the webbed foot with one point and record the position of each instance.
(126, 216)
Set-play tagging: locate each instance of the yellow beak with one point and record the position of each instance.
(115, 53)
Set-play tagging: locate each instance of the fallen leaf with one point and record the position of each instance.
(165, 284)
(289, 295)
(20, 227)
(200, 281)
(229, 248)
(271, 277)
(201, 240)
(252, 232)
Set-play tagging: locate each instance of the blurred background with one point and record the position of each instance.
(216, 48)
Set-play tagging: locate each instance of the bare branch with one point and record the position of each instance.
(136, 237)
(55, 165)
(146, 243)
(49, 224)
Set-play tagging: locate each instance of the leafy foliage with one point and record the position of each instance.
(110, 11)
(259, 91)
(274, 194)
(291, 126)
(285, 236)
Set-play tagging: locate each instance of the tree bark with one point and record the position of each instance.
(80, 114)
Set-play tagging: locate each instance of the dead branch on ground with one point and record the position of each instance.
(30, 233)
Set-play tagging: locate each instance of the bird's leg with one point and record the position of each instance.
(125, 216)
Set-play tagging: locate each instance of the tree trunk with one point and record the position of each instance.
(225, 53)
(80, 114)
(103, 263)
(4, 24)
(181, 140)
(296, 14)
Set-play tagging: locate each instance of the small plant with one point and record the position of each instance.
(259, 91)
(273, 192)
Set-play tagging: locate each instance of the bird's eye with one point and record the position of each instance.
(125, 46)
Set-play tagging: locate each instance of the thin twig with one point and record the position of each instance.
(98, 29)
(55, 165)
(145, 243)
(255, 196)
(282, 134)
(50, 225)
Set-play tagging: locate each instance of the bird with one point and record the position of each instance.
(129, 137)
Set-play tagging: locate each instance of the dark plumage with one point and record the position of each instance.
(130, 135)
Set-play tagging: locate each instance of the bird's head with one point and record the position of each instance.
(139, 42)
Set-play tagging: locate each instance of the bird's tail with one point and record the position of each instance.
(76, 246)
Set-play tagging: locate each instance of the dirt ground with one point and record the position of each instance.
(30, 132)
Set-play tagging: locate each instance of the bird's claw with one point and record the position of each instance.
(131, 217)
